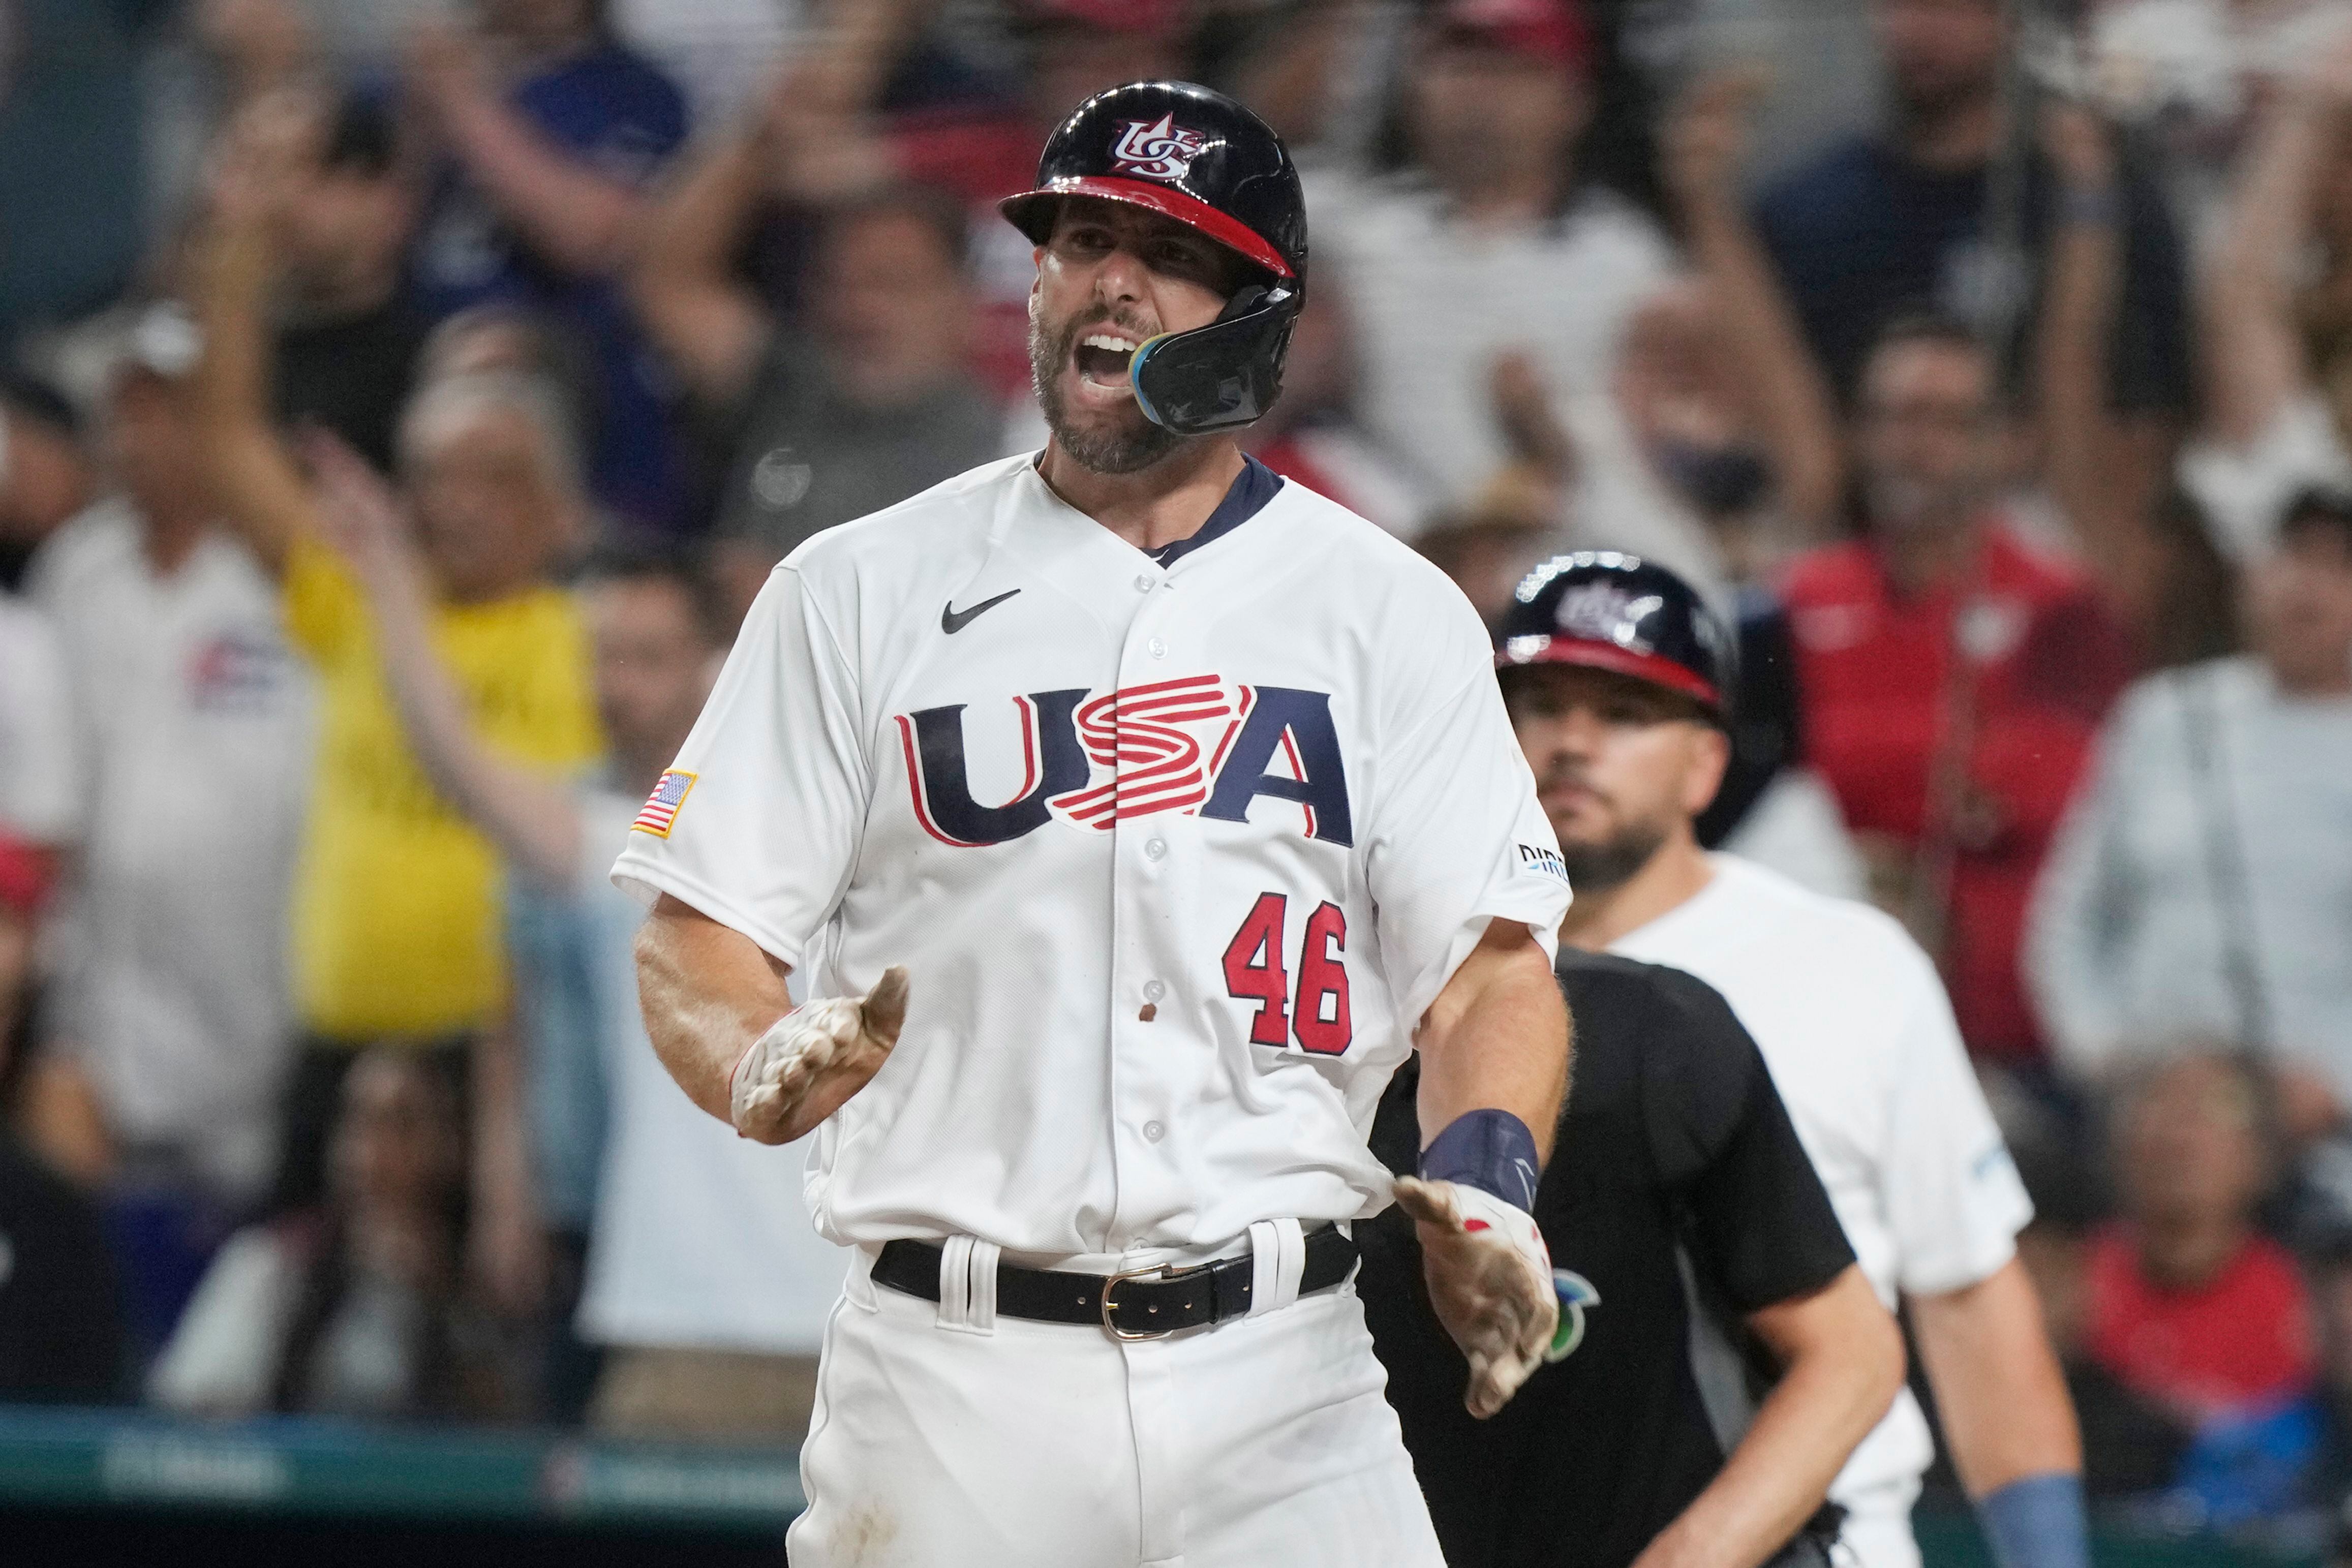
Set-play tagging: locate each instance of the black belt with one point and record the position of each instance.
(1139, 1303)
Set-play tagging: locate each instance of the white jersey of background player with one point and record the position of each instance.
(1616, 674)
(1137, 811)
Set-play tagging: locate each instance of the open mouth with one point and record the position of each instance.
(1102, 358)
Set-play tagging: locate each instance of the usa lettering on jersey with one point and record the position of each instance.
(1197, 744)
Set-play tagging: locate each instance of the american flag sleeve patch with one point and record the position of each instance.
(660, 813)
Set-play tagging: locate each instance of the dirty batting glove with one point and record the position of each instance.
(840, 1037)
(1490, 1276)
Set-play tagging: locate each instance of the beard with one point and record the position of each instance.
(1122, 447)
(1613, 861)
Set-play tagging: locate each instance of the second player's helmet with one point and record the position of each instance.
(1623, 614)
(1199, 157)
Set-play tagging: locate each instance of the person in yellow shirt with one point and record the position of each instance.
(396, 927)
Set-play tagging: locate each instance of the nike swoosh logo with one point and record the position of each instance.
(952, 621)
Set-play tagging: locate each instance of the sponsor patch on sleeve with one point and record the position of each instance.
(661, 808)
(1543, 862)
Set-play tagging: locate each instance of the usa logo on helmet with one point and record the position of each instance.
(1157, 150)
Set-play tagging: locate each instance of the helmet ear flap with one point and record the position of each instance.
(1223, 375)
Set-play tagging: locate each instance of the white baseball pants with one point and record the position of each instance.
(947, 1435)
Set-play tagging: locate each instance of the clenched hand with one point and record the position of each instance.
(812, 1059)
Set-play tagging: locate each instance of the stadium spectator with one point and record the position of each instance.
(46, 475)
(876, 96)
(706, 1336)
(2192, 72)
(2276, 313)
(1909, 218)
(1952, 676)
(60, 1330)
(2132, 1446)
(1733, 418)
(2191, 1306)
(1486, 271)
(855, 404)
(553, 132)
(192, 725)
(396, 924)
(347, 334)
(41, 791)
(2202, 880)
(358, 1310)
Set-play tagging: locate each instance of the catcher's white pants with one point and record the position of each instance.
(945, 1434)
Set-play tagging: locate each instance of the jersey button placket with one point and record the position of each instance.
(1144, 1014)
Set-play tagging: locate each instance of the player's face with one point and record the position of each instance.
(653, 665)
(1621, 764)
(1111, 277)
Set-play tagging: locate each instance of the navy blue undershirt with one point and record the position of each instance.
(1252, 490)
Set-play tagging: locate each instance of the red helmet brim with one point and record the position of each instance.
(1609, 656)
(1165, 200)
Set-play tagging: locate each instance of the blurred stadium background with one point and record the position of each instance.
(342, 1212)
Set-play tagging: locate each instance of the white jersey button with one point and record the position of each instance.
(1159, 648)
(1143, 582)
(1157, 848)
(1153, 1132)
(1153, 990)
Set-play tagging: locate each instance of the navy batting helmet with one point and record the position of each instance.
(1623, 614)
(1196, 156)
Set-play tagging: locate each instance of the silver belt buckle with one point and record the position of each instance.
(1110, 1287)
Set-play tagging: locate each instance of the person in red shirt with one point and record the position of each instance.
(2195, 1310)
(2190, 1305)
(1953, 675)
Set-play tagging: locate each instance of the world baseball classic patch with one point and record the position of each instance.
(660, 813)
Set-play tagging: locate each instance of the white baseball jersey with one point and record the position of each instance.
(1176, 854)
(1854, 1024)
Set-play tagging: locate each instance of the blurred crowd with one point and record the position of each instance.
(402, 403)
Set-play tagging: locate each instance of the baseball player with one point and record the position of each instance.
(1615, 675)
(1122, 815)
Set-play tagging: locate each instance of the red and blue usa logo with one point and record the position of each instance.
(1197, 744)
(1157, 150)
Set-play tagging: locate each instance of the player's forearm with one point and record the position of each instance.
(1998, 1389)
(707, 993)
(1843, 1366)
(1497, 1038)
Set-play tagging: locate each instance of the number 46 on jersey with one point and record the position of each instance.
(1315, 1013)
